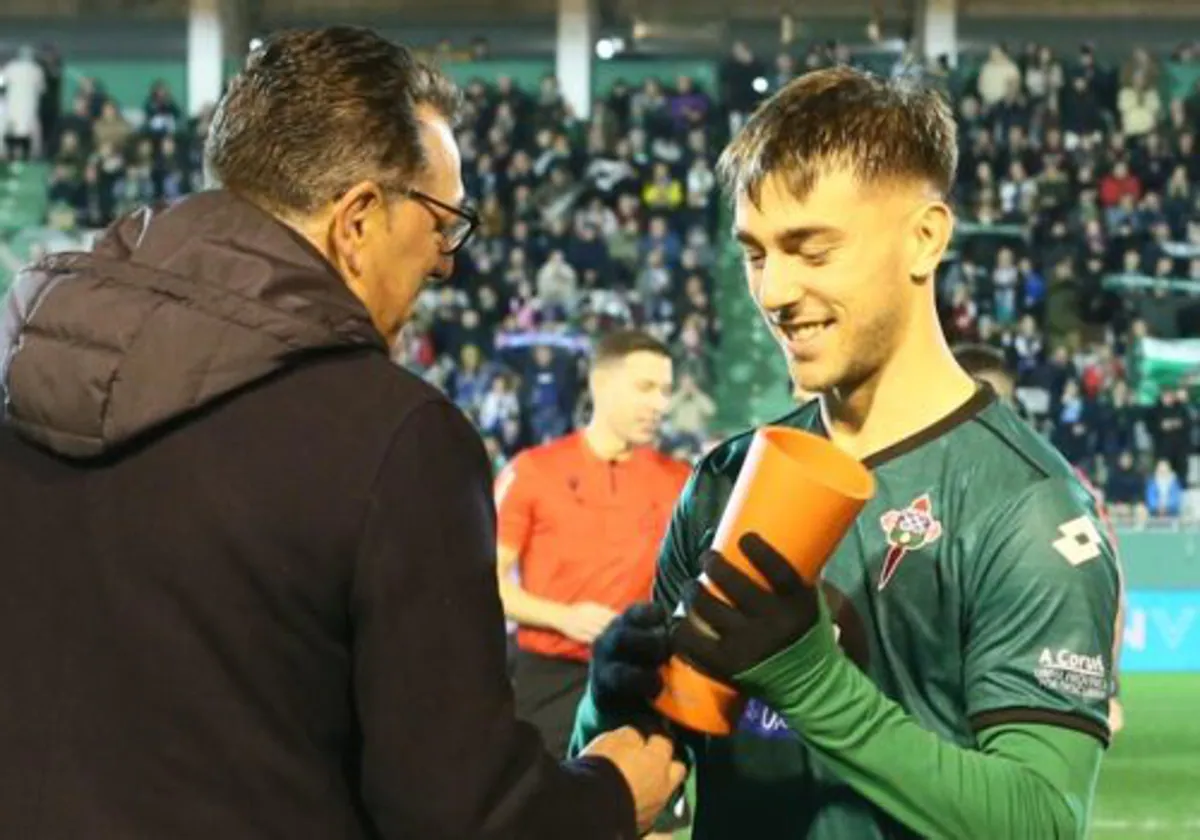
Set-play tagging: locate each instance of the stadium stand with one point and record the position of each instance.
(1077, 253)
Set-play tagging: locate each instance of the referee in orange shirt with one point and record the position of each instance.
(581, 518)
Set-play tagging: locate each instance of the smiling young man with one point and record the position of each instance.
(950, 678)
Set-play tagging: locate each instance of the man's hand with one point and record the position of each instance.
(725, 640)
(626, 659)
(585, 621)
(648, 766)
(1116, 716)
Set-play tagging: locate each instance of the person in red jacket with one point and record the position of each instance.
(580, 521)
(1119, 183)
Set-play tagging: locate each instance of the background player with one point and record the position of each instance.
(976, 596)
(988, 365)
(581, 518)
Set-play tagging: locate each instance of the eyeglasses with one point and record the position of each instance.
(455, 232)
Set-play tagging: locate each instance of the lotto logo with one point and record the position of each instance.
(1078, 541)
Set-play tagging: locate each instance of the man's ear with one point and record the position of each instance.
(933, 226)
(352, 216)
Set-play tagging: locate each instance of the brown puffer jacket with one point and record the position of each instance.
(172, 309)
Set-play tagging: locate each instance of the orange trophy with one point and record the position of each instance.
(800, 493)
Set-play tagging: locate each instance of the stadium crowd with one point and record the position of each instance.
(1071, 174)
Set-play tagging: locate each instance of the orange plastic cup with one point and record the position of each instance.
(800, 493)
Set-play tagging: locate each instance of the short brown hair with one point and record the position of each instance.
(982, 359)
(618, 344)
(840, 117)
(315, 111)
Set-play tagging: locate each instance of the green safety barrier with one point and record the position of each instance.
(1146, 283)
(1160, 559)
(528, 73)
(128, 81)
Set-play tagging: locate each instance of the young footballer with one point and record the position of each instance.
(950, 675)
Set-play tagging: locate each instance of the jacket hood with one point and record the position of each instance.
(175, 307)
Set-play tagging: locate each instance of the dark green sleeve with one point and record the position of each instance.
(1023, 780)
(676, 561)
(1043, 594)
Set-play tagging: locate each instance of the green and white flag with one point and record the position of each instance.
(1166, 363)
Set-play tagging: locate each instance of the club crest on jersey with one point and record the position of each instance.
(907, 530)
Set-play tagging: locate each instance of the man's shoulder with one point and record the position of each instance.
(1011, 452)
(556, 454)
(671, 469)
(364, 388)
(997, 470)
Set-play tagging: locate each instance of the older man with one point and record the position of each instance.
(247, 587)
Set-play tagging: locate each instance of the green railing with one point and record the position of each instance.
(1160, 559)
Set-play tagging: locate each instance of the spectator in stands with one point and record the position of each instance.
(499, 406)
(25, 83)
(1064, 303)
(1119, 184)
(998, 76)
(50, 102)
(1171, 425)
(662, 192)
(550, 396)
(1116, 422)
(690, 411)
(739, 73)
(111, 130)
(963, 312)
(1164, 493)
(78, 122)
(1139, 105)
(163, 117)
(470, 381)
(1125, 489)
(1027, 349)
(557, 282)
(1071, 434)
(1044, 76)
(1082, 114)
(92, 93)
(1004, 287)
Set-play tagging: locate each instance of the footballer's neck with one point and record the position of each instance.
(921, 384)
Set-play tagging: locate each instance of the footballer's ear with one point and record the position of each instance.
(932, 227)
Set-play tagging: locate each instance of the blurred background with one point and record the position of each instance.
(589, 148)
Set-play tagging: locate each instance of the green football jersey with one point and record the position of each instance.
(977, 588)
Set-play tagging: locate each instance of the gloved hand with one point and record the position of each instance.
(725, 640)
(625, 661)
